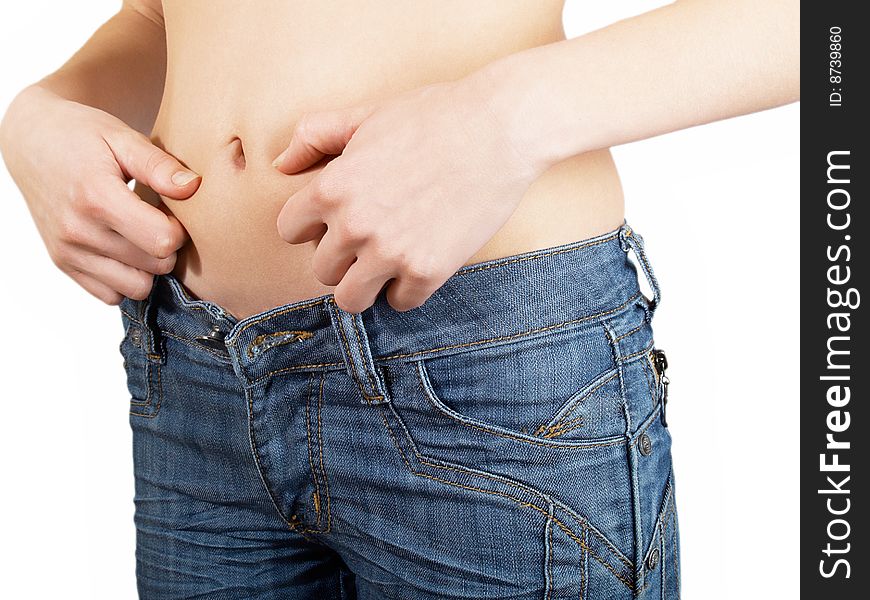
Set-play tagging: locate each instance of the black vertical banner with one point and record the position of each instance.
(834, 368)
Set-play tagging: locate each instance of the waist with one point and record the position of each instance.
(236, 258)
(533, 293)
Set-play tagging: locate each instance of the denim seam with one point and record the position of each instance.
(374, 387)
(433, 462)
(674, 540)
(328, 526)
(584, 565)
(533, 256)
(308, 440)
(256, 452)
(265, 376)
(548, 551)
(269, 315)
(568, 531)
(147, 367)
(516, 335)
(559, 426)
(631, 456)
(351, 366)
(153, 413)
(661, 527)
(650, 380)
(640, 251)
(630, 332)
(571, 444)
(146, 402)
(131, 317)
(320, 451)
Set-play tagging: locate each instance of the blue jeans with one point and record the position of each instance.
(504, 440)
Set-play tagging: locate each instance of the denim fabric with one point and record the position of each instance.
(504, 440)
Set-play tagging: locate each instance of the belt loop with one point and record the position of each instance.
(632, 240)
(147, 315)
(357, 354)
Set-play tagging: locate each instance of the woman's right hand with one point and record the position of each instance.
(72, 163)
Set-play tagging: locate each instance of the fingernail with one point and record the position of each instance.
(278, 160)
(182, 178)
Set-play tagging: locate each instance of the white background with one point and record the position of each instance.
(718, 208)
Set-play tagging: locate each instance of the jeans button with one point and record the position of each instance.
(645, 444)
(653, 561)
(214, 339)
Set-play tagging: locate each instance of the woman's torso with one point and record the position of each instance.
(239, 75)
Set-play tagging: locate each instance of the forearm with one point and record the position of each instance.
(684, 64)
(120, 69)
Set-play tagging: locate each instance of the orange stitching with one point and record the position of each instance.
(555, 430)
(320, 446)
(308, 440)
(519, 486)
(561, 525)
(362, 354)
(517, 335)
(300, 335)
(131, 317)
(147, 401)
(472, 268)
(629, 332)
(583, 567)
(550, 558)
(294, 368)
(278, 314)
(159, 395)
(259, 462)
(533, 442)
(353, 372)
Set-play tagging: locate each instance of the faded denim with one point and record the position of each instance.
(504, 440)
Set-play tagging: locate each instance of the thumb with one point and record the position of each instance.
(320, 134)
(148, 164)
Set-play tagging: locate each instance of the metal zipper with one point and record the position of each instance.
(660, 360)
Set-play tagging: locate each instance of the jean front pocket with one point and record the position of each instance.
(143, 372)
(562, 385)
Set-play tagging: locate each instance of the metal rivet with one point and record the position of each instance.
(136, 337)
(645, 444)
(653, 561)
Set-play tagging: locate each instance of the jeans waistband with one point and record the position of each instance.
(495, 301)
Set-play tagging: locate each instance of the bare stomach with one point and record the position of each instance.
(238, 80)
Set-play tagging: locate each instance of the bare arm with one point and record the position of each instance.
(684, 64)
(425, 180)
(73, 140)
(121, 68)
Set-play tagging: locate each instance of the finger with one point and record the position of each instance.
(406, 293)
(149, 228)
(332, 259)
(113, 245)
(299, 220)
(96, 288)
(131, 282)
(159, 170)
(320, 134)
(360, 286)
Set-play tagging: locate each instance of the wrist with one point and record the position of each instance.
(534, 121)
(16, 112)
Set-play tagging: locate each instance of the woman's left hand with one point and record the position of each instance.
(422, 182)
